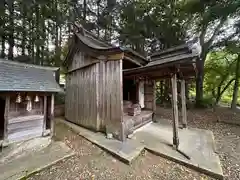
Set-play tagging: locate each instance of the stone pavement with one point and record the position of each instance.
(20, 160)
(198, 144)
(126, 151)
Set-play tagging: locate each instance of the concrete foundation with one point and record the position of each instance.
(196, 148)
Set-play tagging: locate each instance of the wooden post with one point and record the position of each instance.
(45, 114)
(175, 111)
(6, 117)
(184, 108)
(161, 91)
(52, 115)
(154, 101)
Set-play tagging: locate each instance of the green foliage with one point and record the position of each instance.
(207, 101)
(40, 29)
(155, 24)
(219, 75)
(60, 98)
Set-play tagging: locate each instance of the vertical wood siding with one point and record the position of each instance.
(79, 60)
(110, 97)
(81, 97)
(149, 96)
(94, 94)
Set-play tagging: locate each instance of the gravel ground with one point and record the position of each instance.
(90, 162)
(227, 136)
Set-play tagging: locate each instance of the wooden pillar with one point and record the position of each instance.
(52, 115)
(44, 113)
(154, 101)
(6, 117)
(175, 111)
(161, 92)
(183, 99)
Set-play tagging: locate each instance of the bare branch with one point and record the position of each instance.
(215, 33)
(223, 42)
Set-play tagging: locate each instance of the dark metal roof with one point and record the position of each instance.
(169, 57)
(170, 50)
(16, 76)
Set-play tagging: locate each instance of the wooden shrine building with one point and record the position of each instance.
(112, 89)
(26, 100)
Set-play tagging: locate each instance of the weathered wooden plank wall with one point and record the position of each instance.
(110, 97)
(23, 124)
(81, 97)
(77, 62)
(25, 127)
(149, 96)
(94, 94)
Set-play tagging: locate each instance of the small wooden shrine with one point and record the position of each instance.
(26, 100)
(112, 89)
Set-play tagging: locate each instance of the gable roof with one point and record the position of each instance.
(172, 57)
(90, 41)
(15, 76)
(173, 54)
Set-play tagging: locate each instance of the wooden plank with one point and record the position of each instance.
(115, 56)
(52, 115)
(126, 57)
(120, 87)
(84, 66)
(175, 111)
(22, 126)
(154, 101)
(6, 113)
(183, 100)
(44, 113)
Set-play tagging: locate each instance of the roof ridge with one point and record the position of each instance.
(171, 49)
(11, 62)
(85, 32)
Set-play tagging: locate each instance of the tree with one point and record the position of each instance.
(236, 85)
(219, 74)
(11, 28)
(151, 25)
(210, 22)
(234, 48)
(3, 27)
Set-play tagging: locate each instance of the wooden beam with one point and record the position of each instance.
(183, 99)
(52, 115)
(154, 101)
(175, 111)
(115, 56)
(44, 113)
(132, 60)
(6, 117)
(84, 66)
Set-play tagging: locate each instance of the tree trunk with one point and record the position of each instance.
(57, 49)
(23, 43)
(37, 34)
(11, 28)
(220, 93)
(32, 41)
(199, 83)
(84, 10)
(3, 19)
(200, 78)
(236, 84)
(98, 15)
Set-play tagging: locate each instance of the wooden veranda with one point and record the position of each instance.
(177, 65)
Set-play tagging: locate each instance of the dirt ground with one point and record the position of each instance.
(90, 162)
